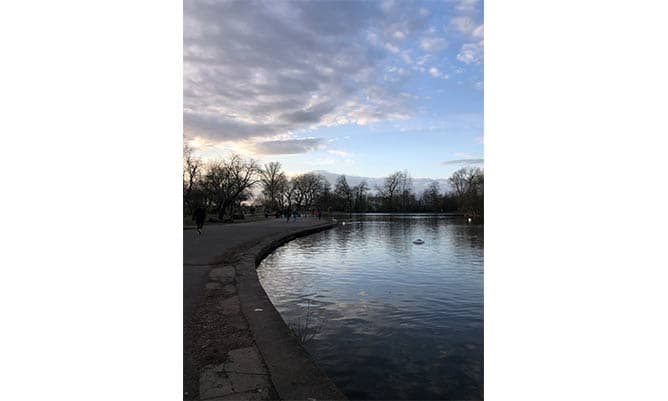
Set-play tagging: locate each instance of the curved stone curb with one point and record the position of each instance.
(292, 372)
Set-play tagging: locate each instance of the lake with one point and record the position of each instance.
(389, 319)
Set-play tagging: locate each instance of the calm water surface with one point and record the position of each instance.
(396, 320)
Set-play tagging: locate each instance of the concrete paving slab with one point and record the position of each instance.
(213, 382)
(245, 360)
(261, 394)
(224, 275)
(244, 382)
(229, 306)
(239, 325)
(212, 286)
(229, 289)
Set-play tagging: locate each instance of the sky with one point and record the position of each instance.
(351, 87)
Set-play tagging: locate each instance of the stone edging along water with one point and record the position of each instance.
(293, 373)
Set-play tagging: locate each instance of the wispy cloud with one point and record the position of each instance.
(470, 53)
(466, 6)
(341, 153)
(465, 155)
(479, 32)
(286, 147)
(433, 44)
(463, 162)
(463, 24)
(399, 35)
(436, 73)
(396, 74)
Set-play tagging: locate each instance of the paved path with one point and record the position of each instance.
(199, 252)
(221, 360)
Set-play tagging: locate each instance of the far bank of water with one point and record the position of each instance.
(394, 320)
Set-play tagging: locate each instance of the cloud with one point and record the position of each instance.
(463, 162)
(341, 153)
(423, 59)
(470, 53)
(406, 57)
(396, 74)
(465, 155)
(256, 71)
(399, 35)
(466, 6)
(322, 162)
(462, 24)
(479, 32)
(286, 147)
(433, 44)
(392, 48)
(436, 73)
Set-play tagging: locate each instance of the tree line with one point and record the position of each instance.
(226, 188)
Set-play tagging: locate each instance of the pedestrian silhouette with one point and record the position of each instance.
(199, 215)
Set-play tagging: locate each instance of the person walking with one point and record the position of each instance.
(199, 216)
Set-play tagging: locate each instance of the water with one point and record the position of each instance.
(391, 319)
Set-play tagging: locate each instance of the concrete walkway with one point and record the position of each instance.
(236, 345)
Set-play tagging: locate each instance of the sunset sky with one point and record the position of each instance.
(359, 88)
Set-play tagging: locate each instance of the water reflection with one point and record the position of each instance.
(398, 320)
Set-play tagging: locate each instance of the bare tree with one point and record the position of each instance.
(306, 188)
(192, 177)
(405, 189)
(227, 181)
(287, 195)
(468, 186)
(192, 171)
(359, 192)
(274, 182)
(324, 197)
(344, 193)
(467, 180)
(431, 197)
(312, 185)
(297, 184)
(390, 188)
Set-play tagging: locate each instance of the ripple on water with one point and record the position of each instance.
(396, 320)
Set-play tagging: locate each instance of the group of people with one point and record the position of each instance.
(199, 215)
(294, 215)
(288, 214)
